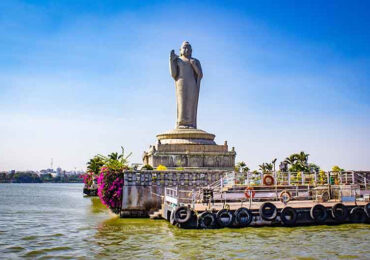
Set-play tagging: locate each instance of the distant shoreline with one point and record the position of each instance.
(10, 182)
(32, 177)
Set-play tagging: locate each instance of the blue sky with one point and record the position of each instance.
(84, 77)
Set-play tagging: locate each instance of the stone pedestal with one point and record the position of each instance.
(189, 148)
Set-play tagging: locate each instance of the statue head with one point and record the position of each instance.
(185, 49)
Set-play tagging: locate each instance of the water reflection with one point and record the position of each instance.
(96, 205)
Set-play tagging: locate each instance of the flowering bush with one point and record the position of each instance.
(88, 178)
(109, 171)
(161, 168)
(110, 184)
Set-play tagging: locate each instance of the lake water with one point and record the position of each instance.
(56, 221)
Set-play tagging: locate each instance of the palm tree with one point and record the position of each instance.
(116, 161)
(291, 159)
(298, 162)
(266, 167)
(94, 164)
(302, 161)
(303, 157)
(242, 166)
(114, 156)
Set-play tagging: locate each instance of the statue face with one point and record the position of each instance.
(186, 50)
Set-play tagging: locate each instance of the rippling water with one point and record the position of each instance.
(56, 221)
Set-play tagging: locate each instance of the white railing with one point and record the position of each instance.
(298, 184)
(170, 195)
(300, 178)
(177, 197)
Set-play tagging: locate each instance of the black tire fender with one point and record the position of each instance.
(367, 209)
(339, 212)
(288, 216)
(319, 213)
(224, 218)
(268, 211)
(243, 217)
(358, 215)
(206, 220)
(182, 214)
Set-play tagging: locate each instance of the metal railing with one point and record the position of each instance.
(178, 197)
(361, 178)
(300, 185)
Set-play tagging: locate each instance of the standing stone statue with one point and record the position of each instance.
(187, 73)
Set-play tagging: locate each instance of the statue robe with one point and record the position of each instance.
(187, 82)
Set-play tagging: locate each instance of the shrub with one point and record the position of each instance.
(161, 168)
(110, 179)
(147, 167)
(88, 178)
(110, 184)
(323, 177)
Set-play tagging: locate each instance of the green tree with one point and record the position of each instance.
(266, 167)
(95, 164)
(241, 167)
(336, 168)
(47, 177)
(26, 177)
(313, 167)
(116, 161)
(291, 159)
(298, 162)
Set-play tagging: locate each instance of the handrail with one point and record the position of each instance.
(300, 182)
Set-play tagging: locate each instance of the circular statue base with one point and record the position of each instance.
(189, 148)
(186, 136)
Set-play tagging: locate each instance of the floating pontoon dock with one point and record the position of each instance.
(227, 204)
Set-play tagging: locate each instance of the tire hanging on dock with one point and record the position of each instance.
(319, 213)
(224, 218)
(243, 217)
(339, 212)
(206, 220)
(182, 214)
(367, 210)
(358, 215)
(268, 211)
(288, 216)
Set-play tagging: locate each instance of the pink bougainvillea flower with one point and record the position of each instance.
(110, 184)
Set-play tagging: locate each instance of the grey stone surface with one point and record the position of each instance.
(186, 136)
(187, 73)
(142, 190)
(191, 156)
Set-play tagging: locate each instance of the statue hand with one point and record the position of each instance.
(173, 56)
(193, 62)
